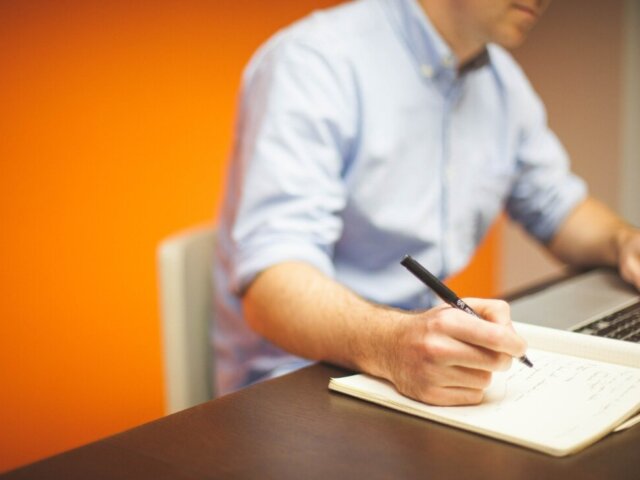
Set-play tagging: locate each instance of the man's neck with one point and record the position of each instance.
(452, 30)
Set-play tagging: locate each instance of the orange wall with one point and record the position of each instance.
(116, 120)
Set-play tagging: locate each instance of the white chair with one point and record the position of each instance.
(186, 286)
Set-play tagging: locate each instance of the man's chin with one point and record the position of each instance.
(512, 38)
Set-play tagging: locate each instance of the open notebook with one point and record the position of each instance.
(580, 389)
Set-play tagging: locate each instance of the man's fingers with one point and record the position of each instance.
(629, 257)
(495, 311)
(447, 396)
(467, 378)
(450, 352)
(478, 332)
(484, 359)
(630, 270)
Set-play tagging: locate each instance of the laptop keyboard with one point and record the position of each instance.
(622, 325)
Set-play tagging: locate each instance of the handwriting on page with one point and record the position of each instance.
(594, 383)
(556, 398)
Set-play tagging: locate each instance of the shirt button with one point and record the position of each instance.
(448, 61)
(426, 70)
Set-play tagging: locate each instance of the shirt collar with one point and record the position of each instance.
(433, 54)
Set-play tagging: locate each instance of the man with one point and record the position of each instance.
(373, 130)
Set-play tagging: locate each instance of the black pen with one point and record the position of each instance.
(444, 292)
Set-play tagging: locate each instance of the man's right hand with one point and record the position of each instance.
(444, 356)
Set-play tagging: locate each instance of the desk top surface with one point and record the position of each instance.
(293, 427)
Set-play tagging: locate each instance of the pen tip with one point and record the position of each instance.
(526, 361)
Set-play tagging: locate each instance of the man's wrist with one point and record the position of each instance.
(383, 340)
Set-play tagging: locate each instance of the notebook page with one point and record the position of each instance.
(581, 345)
(558, 406)
(628, 424)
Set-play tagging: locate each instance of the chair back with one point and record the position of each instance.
(185, 263)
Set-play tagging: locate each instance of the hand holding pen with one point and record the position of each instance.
(444, 292)
(440, 356)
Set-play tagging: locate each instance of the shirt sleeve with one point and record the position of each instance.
(293, 137)
(545, 190)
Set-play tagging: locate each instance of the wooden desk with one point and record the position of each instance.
(293, 427)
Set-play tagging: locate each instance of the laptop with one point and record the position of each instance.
(597, 302)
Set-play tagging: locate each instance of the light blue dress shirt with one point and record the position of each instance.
(357, 142)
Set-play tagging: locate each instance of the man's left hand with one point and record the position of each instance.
(629, 255)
